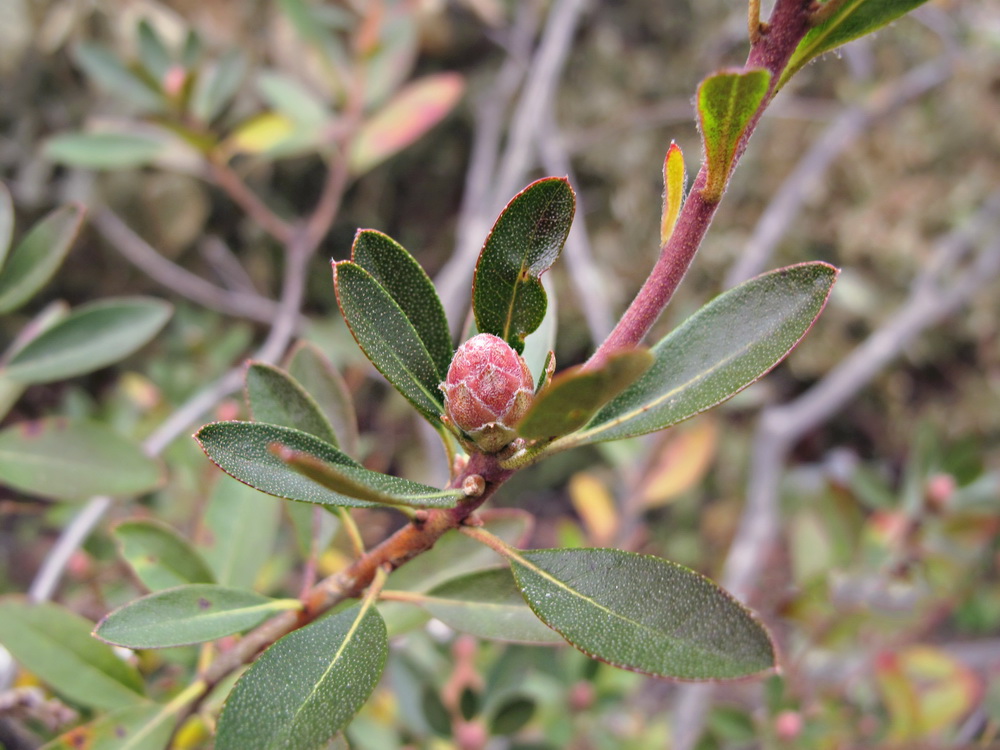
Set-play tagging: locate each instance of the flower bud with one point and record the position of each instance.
(487, 391)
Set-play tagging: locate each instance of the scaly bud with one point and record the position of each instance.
(487, 391)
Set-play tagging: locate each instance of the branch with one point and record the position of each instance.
(238, 191)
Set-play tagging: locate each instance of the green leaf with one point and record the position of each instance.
(727, 103)
(288, 96)
(145, 727)
(240, 527)
(6, 222)
(275, 398)
(323, 382)
(92, 336)
(216, 86)
(37, 256)
(245, 451)
(717, 352)
(155, 56)
(642, 613)
(512, 716)
(55, 644)
(402, 277)
(507, 295)
(111, 74)
(388, 338)
(160, 557)
(189, 614)
(414, 110)
(575, 395)
(104, 150)
(853, 19)
(363, 484)
(487, 604)
(308, 685)
(67, 460)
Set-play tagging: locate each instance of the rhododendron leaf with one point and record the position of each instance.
(160, 557)
(717, 352)
(275, 397)
(308, 685)
(642, 613)
(727, 102)
(507, 294)
(409, 286)
(575, 395)
(851, 20)
(674, 183)
(321, 380)
(388, 338)
(148, 726)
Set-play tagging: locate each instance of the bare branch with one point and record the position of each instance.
(226, 178)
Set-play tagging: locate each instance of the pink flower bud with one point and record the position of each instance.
(487, 391)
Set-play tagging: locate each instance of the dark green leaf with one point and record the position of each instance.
(512, 716)
(160, 557)
(362, 484)
(104, 150)
(853, 19)
(215, 87)
(726, 104)
(275, 398)
(642, 613)
(468, 703)
(55, 644)
(388, 338)
(111, 74)
(37, 256)
(194, 613)
(487, 604)
(92, 336)
(575, 395)
(145, 727)
(6, 222)
(155, 56)
(240, 526)
(507, 295)
(308, 685)
(320, 378)
(402, 277)
(67, 460)
(717, 352)
(434, 711)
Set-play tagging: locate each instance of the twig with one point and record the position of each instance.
(810, 169)
(177, 279)
(245, 198)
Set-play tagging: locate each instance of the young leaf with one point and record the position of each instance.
(575, 395)
(414, 110)
(104, 150)
(91, 337)
(388, 338)
(240, 527)
(155, 56)
(145, 727)
(215, 87)
(160, 557)
(368, 485)
(717, 352)
(322, 381)
(6, 222)
(195, 613)
(487, 604)
(308, 685)
(642, 613)
(409, 286)
(852, 19)
(110, 74)
(67, 460)
(55, 644)
(275, 398)
(37, 256)
(507, 295)
(674, 183)
(726, 104)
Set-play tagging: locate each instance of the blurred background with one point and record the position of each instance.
(851, 497)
